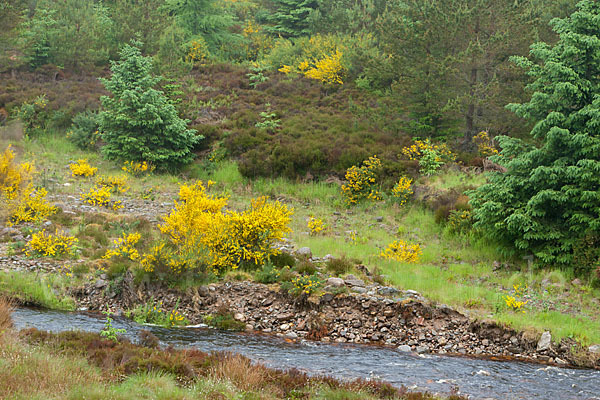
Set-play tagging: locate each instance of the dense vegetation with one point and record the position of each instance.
(342, 109)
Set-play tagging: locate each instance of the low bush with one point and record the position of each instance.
(228, 239)
(50, 245)
(361, 182)
(401, 251)
(340, 266)
(84, 132)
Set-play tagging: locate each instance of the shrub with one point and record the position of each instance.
(340, 266)
(402, 190)
(139, 122)
(486, 146)
(125, 247)
(137, 168)
(268, 274)
(153, 313)
(230, 238)
(283, 259)
(13, 176)
(49, 245)
(34, 116)
(401, 251)
(305, 284)
(315, 225)
(429, 155)
(460, 221)
(305, 267)
(82, 168)
(100, 196)
(30, 206)
(361, 182)
(84, 132)
(117, 184)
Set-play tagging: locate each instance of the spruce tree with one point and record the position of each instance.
(291, 17)
(138, 122)
(548, 201)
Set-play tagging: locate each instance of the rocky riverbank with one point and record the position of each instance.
(371, 314)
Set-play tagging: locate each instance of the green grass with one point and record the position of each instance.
(43, 290)
(456, 270)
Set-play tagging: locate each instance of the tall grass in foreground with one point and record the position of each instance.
(5, 314)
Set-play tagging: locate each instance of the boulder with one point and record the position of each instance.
(404, 348)
(352, 280)
(335, 282)
(545, 341)
(304, 252)
(595, 349)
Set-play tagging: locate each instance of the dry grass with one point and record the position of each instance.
(5, 314)
(240, 371)
(29, 371)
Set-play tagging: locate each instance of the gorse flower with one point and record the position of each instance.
(117, 184)
(402, 190)
(125, 247)
(137, 168)
(315, 225)
(30, 205)
(361, 182)
(229, 237)
(401, 251)
(514, 304)
(13, 177)
(429, 155)
(82, 168)
(101, 196)
(486, 146)
(49, 245)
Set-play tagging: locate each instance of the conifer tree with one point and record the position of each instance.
(548, 201)
(138, 122)
(291, 17)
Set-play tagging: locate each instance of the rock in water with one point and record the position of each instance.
(404, 348)
(545, 341)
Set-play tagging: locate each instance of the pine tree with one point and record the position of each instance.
(291, 17)
(138, 122)
(548, 201)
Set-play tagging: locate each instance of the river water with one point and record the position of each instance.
(479, 379)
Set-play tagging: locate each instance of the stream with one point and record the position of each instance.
(479, 379)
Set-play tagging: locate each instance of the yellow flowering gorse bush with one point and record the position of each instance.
(306, 284)
(402, 190)
(198, 51)
(101, 196)
(315, 225)
(486, 145)
(328, 69)
(401, 251)
(49, 245)
(125, 247)
(515, 304)
(82, 168)
(30, 206)
(137, 168)
(13, 176)
(361, 182)
(117, 184)
(229, 237)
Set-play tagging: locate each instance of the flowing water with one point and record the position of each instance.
(479, 379)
